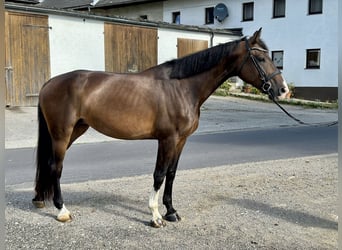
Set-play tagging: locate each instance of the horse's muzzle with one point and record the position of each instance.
(283, 90)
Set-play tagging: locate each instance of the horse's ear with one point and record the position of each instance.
(255, 37)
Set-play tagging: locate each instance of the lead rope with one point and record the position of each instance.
(321, 124)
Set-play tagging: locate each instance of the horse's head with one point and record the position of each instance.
(258, 69)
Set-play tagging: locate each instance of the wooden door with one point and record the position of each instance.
(129, 48)
(27, 57)
(189, 46)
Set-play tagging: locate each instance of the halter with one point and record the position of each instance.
(266, 86)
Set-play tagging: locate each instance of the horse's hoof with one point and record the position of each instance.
(38, 204)
(64, 217)
(172, 217)
(159, 223)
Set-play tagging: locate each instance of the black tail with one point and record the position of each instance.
(44, 181)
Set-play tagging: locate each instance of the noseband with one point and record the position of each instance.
(266, 86)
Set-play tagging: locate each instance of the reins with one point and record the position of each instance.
(267, 88)
(319, 124)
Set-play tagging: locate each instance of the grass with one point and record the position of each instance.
(224, 90)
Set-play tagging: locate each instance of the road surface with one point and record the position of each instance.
(108, 160)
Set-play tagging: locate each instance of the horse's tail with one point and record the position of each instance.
(44, 179)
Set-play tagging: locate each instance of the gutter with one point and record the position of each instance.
(40, 10)
(84, 15)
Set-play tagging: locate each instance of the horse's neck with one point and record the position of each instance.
(204, 84)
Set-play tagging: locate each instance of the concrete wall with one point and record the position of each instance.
(75, 43)
(153, 11)
(192, 12)
(78, 43)
(167, 42)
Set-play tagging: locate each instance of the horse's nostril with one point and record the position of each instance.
(283, 90)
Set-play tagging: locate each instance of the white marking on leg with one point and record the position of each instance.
(64, 214)
(153, 205)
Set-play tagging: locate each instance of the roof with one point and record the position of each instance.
(65, 4)
(119, 3)
(24, 1)
(73, 13)
(81, 4)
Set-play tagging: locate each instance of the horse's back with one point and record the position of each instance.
(118, 105)
(125, 106)
(62, 84)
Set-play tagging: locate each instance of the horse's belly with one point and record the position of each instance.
(123, 125)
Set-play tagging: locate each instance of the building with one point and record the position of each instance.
(44, 42)
(301, 36)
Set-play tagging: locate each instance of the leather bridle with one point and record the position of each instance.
(266, 86)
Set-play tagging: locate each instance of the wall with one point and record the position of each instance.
(154, 11)
(167, 42)
(295, 33)
(75, 43)
(192, 12)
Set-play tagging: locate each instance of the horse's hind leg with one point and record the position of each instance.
(59, 149)
(79, 129)
(60, 143)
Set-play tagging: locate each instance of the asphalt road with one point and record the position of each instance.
(108, 160)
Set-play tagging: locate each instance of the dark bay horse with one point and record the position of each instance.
(161, 103)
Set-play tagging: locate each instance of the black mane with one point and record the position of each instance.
(199, 62)
(262, 44)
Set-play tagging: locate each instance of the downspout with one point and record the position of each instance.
(212, 34)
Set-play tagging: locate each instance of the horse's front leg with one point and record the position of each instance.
(171, 213)
(167, 160)
(157, 220)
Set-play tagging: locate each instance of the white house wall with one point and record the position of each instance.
(192, 12)
(294, 34)
(76, 43)
(167, 41)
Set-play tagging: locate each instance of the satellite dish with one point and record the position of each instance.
(220, 12)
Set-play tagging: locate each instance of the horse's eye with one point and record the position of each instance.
(261, 59)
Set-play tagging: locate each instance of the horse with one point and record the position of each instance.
(161, 103)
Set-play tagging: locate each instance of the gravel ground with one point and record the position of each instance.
(283, 204)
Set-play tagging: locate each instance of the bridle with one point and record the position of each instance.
(266, 86)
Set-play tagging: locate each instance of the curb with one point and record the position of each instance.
(292, 101)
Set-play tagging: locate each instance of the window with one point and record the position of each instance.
(176, 17)
(279, 8)
(277, 58)
(247, 11)
(143, 17)
(313, 57)
(315, 7)
(209, 15)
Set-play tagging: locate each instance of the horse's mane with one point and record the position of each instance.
(199, 62)
(262, 44)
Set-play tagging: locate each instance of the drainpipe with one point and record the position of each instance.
(212, 34)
